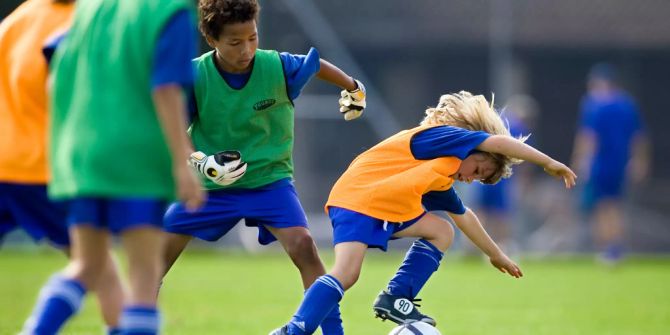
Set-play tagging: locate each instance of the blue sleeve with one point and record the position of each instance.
(443, 201)
(50, 47)
(299, 69)
(442, 141)
(588, 114)
(175, 48)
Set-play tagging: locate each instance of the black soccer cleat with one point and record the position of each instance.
(399, 309)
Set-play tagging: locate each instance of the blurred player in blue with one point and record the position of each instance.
(495, 204)
(611, 149)
(23, 138)
(118, 150)
(244, 102)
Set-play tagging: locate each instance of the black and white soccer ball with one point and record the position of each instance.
(415, 328)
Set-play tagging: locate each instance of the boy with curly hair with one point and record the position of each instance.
(244, 101)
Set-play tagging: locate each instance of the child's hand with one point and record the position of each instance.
(558, 169)
(189, 188)
(352, 103)
(223, 167)
(506, 265)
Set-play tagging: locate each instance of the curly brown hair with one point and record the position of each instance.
(215, 14)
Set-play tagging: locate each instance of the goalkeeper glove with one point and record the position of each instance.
(352, 103)
(223, 168)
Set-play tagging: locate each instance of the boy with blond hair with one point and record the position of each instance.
(389, 191)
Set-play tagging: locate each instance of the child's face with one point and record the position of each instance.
(475, 167)
(236, 46)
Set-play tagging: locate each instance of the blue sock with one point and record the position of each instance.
(422, 259)
(332, 324)
(320, 299)
(59, 299)
(139, 320)
(114, 331)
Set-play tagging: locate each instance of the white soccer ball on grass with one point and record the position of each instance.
(415, 328)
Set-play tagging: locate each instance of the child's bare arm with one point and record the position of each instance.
(469, 224)
(511, 147)
(169, 102)
(334, 75)
(352, 101)
(639, 164)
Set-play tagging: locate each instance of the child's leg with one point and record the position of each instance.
(327, 290)
(61, 297)
(174, 246)
(299, 245)
(424, 257)
(110, 295)
(144, 246)
(610, 229)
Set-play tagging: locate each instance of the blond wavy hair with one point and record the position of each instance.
(473, 112)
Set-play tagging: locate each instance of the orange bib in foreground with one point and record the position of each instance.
(386, 182)
(23, 88)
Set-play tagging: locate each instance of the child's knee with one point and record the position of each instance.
(86, 272)
(302, 246)
(443, 237)
(347, 277)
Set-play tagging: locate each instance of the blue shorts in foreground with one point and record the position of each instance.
(275, 205)
(350, 226)
(116, 214)
(28, 207)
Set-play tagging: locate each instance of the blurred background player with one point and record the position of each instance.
(610, 150)
(24, 113)
(496, 204)
(244, 101)
(387, 190)
(118, 149)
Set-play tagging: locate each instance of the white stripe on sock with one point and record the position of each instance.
(332, 283)
(139, 322)
(65, 290)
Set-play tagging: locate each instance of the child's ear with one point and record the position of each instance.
(210, 41)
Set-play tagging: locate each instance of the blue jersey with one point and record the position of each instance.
(446, 141)
(175, 48)
(614, 121)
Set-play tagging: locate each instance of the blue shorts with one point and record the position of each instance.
(494, 198)
(28, 207)
(350, 226)
(597, 190)
(275, 205)
(116, 214)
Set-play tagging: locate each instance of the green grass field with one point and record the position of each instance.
(235, 293)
